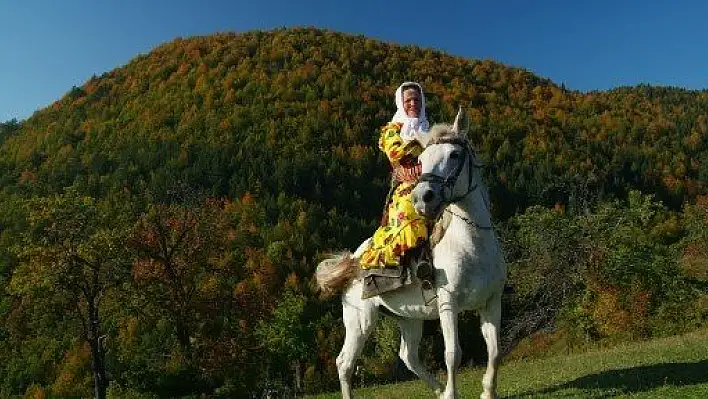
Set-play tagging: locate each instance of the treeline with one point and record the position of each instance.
(159, 225)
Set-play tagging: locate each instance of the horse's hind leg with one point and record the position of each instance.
(359, 320)
(490, 318)
(411, 333)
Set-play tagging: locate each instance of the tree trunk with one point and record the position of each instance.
(98, 366)
(185, 344)
(298, 373)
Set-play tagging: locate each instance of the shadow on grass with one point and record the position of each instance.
(630, 380)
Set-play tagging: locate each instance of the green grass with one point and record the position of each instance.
(673, 367)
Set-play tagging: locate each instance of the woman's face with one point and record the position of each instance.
(411, 103)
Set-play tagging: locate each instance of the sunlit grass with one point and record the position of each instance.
(674, 367)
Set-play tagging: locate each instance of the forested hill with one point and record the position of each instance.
(160, 224)
(288, 112)
(295, 112)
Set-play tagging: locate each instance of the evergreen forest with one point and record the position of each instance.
(160, 224)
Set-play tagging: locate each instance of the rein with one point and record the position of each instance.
(468, 220)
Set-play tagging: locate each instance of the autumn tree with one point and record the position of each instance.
(182, 254)
(73, 253)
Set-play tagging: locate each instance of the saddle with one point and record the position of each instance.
(379, 281)
(420, 259)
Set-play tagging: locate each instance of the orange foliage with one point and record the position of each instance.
(292, 281)
(559, 207)
(694, 260)
(670, 182)
(539, 342)
(247, 198)
(184, 67)
(87, 125)
(620, 313)
(702, 203)
(147, 269)
(27, 177)
(608, 314)
(35, 392)
(74, 377)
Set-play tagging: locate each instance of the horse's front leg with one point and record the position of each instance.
(453, 352)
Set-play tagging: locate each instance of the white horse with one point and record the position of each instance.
(470, 271)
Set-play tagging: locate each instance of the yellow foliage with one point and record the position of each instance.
(128, 332)
(611, 319)
(209, 285)
(175, 361)
(358, 152)
(65, 150)
(225, 124)
(621, 314)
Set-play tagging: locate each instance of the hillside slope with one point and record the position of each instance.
(295, 112)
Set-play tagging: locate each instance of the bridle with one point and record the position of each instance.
(449, 181)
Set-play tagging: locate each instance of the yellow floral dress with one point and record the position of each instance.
(404, 228)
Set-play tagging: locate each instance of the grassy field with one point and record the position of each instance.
(674, 367)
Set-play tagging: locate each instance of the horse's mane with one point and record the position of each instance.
(443, 132)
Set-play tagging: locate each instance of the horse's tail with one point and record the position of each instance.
(335, 273)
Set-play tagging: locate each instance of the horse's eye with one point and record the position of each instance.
(454, 155)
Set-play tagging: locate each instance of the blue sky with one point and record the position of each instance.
(49, 46)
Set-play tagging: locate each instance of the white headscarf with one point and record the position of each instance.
(411, 126)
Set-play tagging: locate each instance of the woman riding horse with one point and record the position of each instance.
(402, 229)
(469, 269)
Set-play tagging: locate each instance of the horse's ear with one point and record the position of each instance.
(461, 124)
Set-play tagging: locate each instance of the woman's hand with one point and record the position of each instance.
(408, 173)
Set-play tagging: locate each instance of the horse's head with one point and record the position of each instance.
(448, 165)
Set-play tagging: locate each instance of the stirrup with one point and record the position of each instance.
(425, 274)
